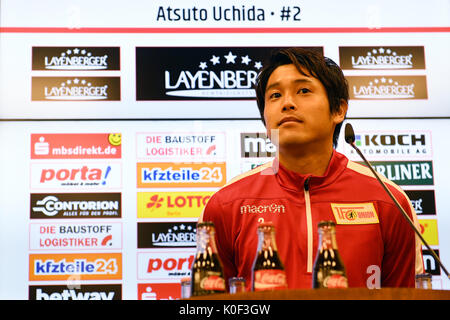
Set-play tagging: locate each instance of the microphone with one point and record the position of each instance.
(350, 139)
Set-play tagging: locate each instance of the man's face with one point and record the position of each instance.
(298, 107)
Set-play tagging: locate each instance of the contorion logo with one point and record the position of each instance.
(152, 175)
(172, 204)
(87, 266)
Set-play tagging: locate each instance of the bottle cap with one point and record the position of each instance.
(266, 224)
(185, 280)
(327, 223)
(204, 224)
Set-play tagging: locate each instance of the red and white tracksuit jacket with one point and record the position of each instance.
(373, 237)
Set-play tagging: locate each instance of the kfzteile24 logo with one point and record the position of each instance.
(86, 266)
(171, 175)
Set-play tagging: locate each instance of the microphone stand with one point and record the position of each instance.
(350, 139)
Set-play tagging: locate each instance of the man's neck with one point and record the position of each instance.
(313, 162)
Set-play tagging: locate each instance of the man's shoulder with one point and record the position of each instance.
(244, 182)
(366, 176)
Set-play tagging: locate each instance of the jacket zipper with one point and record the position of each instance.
(309, 229)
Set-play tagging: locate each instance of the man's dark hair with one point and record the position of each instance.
(318, 66)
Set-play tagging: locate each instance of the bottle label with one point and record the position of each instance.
(335, 281)
(215, 283)
(270, 279)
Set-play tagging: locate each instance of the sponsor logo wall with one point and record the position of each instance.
(75, 229)
(77, 208)
(177, 172)
(406, 158)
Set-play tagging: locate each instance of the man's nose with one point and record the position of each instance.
(288, 104)
(286, 108)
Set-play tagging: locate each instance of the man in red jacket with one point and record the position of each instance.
(303, 101)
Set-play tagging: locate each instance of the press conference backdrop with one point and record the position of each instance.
(120, 119)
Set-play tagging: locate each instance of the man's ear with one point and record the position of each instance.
(339, 115)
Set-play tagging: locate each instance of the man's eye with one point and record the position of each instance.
(304, 90)
(275, 95)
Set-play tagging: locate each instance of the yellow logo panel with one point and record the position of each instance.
(429, 231)
(354, 213)
(172, 204)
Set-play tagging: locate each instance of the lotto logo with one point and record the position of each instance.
(86, 266)
(171, 175)
(172, 204)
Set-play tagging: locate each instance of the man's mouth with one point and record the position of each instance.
(289, 119)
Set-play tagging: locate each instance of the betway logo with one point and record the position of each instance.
(75, 291)
(71, 294)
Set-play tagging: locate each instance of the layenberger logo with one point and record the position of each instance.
(75, 88)
(76, 58)
(214, 73)
(381, 58)
(387, 87)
